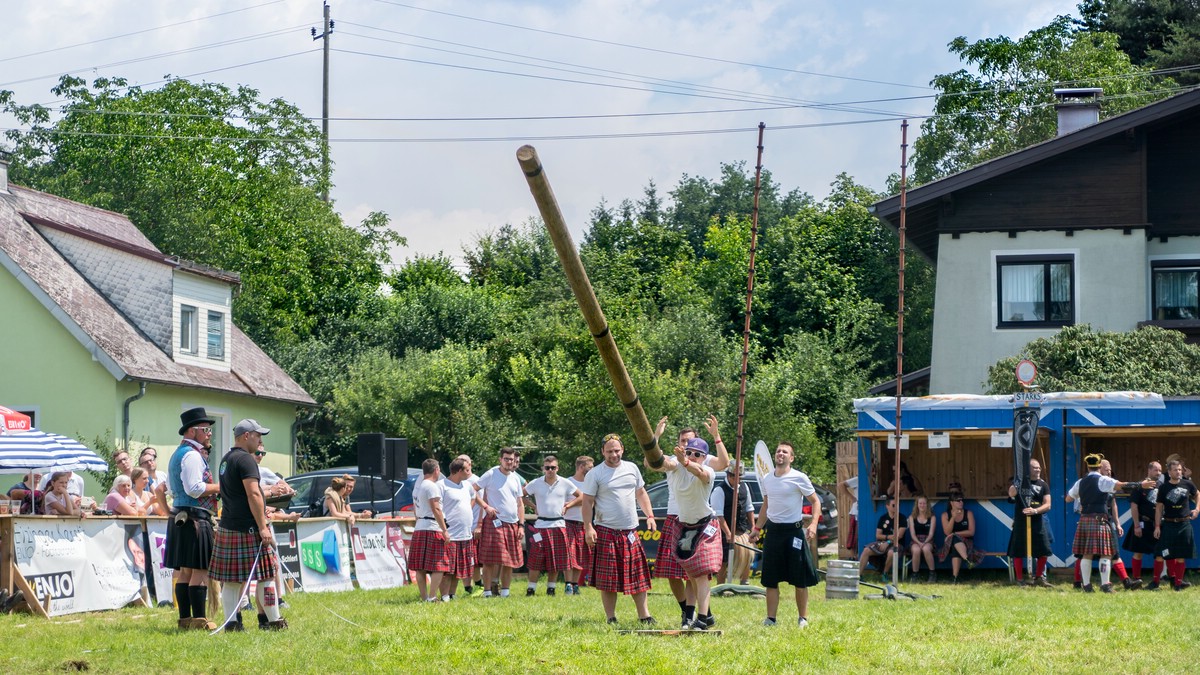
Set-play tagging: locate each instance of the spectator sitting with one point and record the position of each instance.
(141, 490)
(148, 460)
(121, 500)
(31, 500)
(334, 505)
(922, 528)
(350, 482)
(74, 485)
(272, 483)
(882, 546)
(909, 485)
(123, 462)
(60, 502)
(958, 524)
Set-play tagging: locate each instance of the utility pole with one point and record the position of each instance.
(326, 31)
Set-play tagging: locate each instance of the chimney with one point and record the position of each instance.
(1077, 108)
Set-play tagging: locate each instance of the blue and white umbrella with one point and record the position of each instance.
(38, 450)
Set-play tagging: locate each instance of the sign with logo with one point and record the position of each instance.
(82, 565)
(324, 555)
(164, 587)
(375, 563)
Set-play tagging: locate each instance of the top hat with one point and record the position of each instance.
(191, 418)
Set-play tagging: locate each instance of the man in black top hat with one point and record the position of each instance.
(190, 531)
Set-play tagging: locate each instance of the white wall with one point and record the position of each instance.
(204, 294)
(1111, 293)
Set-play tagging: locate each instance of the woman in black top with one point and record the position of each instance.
(959, 525)
(1173, 522)
(922, 527)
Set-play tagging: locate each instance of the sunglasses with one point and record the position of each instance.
(549, 468)
(612, 437)
(259, 453)
(695, 453)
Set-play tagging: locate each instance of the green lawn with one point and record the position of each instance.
(982, 627)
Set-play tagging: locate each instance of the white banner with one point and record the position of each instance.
(324, 555)
(164, 586)
(83, 565)
(376, 563)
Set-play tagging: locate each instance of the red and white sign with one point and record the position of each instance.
(1026, 372)
(12, 421)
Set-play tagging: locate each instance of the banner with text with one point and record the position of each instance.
(324, 555)
(376, 564)
(83, 565)
(164, 588)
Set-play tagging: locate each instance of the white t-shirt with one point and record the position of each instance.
(575, 513)
(426, 492)
(476, 509)
(551, 499)
(786, 495)
(268, 477)
(672, 501)
(74, 484)
(717, 500)
(502, 493)
(456, 509)
(691, 493)
(852, 487)
(615, 490)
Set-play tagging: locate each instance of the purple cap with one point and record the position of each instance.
(697, 444)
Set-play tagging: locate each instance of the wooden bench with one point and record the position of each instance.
(1002, 556)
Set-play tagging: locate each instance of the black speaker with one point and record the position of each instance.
(370, 454)
(395, 459)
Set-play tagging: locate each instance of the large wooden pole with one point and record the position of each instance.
(896, 557)
(547, 205)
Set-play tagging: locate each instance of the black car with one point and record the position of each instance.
(380, 495)
(827, 526)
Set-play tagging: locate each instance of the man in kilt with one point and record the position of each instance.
(190, 532)
(1031, 513)
(550, 497)
(698, 547)
(788, 552)
(1139, 539)
(1093, 536)
(612, 492)
(427, 550)
(576, 547)
(244, 548)
(1173, 522)
(458, 496)
(499, 491)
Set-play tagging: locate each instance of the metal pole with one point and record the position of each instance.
(896, 559)
(326, 31)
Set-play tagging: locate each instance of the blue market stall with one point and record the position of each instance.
(964, 443)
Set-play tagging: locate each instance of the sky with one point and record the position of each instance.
(613, 94)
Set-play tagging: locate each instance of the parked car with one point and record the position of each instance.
(827, 526)
(389, 497)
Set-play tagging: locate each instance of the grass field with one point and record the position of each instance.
(986, 626)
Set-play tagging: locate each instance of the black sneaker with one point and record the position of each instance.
(648, 621)
(530, 592)
(709, 620)
(1131, 584)
(612, 620)
(1077, 585)
(550, 591)
(1152, 586)
(698, 624)
(1182, 585)
(262, 621)
(1106, 588)
(1087, 588)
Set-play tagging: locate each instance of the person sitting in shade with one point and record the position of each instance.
(31, 499)
(882, 546)
(121, 501)
(60, 502)
(336, 496)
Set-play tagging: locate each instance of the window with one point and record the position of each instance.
(187, 329)
(1173, 285)
(216, 335)
(1036, 290)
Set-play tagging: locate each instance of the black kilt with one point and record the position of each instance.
(782, 562)
(189, 545)
(1146, 543)
(1040, 539)
(1177, 541)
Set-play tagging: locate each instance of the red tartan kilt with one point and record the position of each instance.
(501, 545)
(619, 565)
(706, 559)
(1093, 537)
(666, 566)
(427, 552)
(552, 553)
(461, 558)
(577, 546)
(233, 556)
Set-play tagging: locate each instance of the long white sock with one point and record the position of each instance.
(533, 585)
(1105, 570)
(552, 584)
(1085, 571)
(504, 592)
(230, 595)
(268, 602)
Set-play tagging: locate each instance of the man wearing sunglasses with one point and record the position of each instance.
(500, 551)
(550, 497)
(190, 532)
(612, 492)
(272, 483)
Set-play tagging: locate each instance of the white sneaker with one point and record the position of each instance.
(768, 622)
(803, 622)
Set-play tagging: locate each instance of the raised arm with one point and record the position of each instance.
(722, 460)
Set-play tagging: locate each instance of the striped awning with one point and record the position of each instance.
(34, 449)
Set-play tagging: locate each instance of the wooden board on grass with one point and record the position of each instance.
(670, 633)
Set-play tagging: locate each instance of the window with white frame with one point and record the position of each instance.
(216, 335)
(1173, 286)
(1035, 290)
(188, 329)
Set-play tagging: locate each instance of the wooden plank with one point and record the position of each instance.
(671, 633)
(1172, 431)
(8, 562)
(30, 602)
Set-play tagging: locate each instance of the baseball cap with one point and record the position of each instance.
(247, 425)
(697, 444)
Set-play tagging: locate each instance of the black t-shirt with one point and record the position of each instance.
(1145, 501)
(885, 524)
(1174, 498)
(237, 466)
(1038, 490)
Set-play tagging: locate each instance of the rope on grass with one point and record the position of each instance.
(242, 597)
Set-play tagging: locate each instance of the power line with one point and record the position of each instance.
(651, 49)
(136, 32)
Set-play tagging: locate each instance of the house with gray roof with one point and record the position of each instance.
(103, 336)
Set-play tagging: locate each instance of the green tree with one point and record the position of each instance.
(1158, 34)
(216, 175)
(1078, 358)
(1008, 103)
